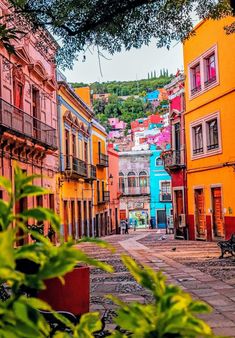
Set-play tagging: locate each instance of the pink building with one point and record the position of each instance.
(113, 172)
(116, 124)
(28, 114)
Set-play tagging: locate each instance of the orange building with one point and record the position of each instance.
(113, 184)
(209, 64)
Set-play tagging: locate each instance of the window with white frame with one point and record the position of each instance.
(165, 194)
(197, 139)
(210, 69)
(205, 136)
(203, 72)
(195, 75)
(159, 161)
(212, 134)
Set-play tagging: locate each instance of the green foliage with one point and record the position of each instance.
(173, 313)
(19, 315)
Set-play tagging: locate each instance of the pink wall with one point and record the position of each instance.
(113, 188)
(28, 82)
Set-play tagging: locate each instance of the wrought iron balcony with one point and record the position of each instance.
(15, 120)
(75, 166)
(91, 172)
(196, 89)
(103, 160)
(173, 159)
(165, 197)
(135, 190)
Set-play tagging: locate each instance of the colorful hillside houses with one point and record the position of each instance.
(209, 126)
(174, 158)
(160, 191)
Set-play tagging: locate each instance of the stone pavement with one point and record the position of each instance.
(146, 248)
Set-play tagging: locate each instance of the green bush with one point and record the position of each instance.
(171, 314)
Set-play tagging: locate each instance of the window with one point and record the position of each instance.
(195, 78)
(203, 72)
(205, 136)
(210, 69)
(197, 139)
(67, 159)
(86, 152)
(131, 179)
(102, 190)
(159, 161)
(121, 182)
(165, 191)
(74, 145)
(143, 179)
(212, 134)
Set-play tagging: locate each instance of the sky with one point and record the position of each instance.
(132, 65)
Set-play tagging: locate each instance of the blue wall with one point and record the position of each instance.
(157, 174)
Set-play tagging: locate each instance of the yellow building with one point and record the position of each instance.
(209, 62)
(75, 182)
(101, 195)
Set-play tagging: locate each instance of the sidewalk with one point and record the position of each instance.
(220, 295)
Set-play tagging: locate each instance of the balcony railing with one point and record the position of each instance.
(103, 160)
(196, 89)
(91, 172)
(173, 159)
(27, 126)
(165, 197)
(75, 166)
(135, 190)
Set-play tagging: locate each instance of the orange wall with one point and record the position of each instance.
(85, 94)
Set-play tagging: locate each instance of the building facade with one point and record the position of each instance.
(113, 179)
(160, 191)
(77, 173)
(209, 125)
(28, 114)
(134, 187)
(101, 194)
(175, 158)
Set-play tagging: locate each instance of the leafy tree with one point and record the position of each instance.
(113, 25)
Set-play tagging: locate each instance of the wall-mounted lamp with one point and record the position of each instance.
(110, 179)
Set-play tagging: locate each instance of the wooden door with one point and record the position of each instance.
(85, 217)
(161, 219)
(79, 219)
(65, 220)
(200, 217)
(217, 215)
(73, 219)
(179, 206)
(90, 219)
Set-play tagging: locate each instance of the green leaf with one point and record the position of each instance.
(32, 190)
(6, 184)
(98, 242)
(43, 214)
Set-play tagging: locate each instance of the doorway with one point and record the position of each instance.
(79, 219)
(200, 217)
(65, 220)
(85, 218)
(73, 219)
(161, 219)
(217, 215)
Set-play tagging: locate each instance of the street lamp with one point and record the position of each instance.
(110, 179)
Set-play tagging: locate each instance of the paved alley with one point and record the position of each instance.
(192, 265)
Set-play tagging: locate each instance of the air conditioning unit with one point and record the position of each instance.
(182, 220)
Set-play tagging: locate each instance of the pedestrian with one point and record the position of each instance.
(135, 224)
(126, 228)
(151, 223)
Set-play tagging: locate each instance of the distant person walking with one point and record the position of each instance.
(126, 228)
(135, 224)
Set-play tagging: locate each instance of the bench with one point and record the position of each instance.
(227, 246)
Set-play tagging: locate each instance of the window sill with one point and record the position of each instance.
(204, 89)
(207, 154)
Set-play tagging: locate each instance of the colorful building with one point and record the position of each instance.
(134, 187)
(174, 159)
(101, 194)
(77, 173)
(113, 179)
(209, 64)
(160, 191)
(28, 114)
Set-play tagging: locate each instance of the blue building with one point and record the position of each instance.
(160, 191)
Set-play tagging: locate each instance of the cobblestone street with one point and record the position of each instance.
(192, 265)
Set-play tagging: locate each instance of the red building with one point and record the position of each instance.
(113, 172)
(175, 158)
(28, 114)
(149, 122)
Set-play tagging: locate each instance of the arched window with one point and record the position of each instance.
(159, 161)
(131, 179)
(143, 179)
(121, 182)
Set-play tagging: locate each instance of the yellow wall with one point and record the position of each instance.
(102, 172)
(72, 188)
(212, 170)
